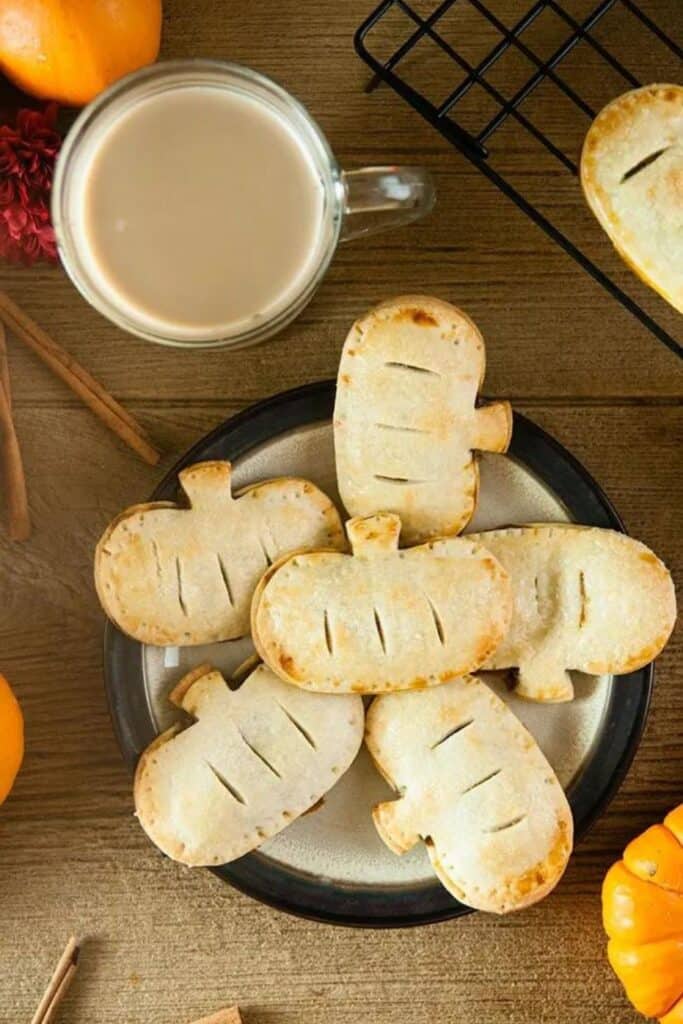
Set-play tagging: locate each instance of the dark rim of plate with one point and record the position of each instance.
(377, 906)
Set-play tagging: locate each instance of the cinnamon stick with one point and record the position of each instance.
(89, 390)
(19, 522)
(4, 366)
(230, 1016)
(62, 989)
(58, 985)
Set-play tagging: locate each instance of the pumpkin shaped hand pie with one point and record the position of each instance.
(476, 788)
(381, 619)
(406, 423)
(642, 909)
(183, 576)
(632, 177)
(584, 598)
(255, 759)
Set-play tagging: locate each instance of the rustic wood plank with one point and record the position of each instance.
(163, 944)
(166, 945)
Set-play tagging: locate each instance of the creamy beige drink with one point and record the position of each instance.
(197, 203)
(200, 212)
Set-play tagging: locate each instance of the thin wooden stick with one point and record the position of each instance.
(64, 987)
(78, 379)
(4, 367)
(230, 1016)
(9, 311)
(59, 983)
(18, 519)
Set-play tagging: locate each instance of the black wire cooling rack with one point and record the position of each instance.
(468, 101)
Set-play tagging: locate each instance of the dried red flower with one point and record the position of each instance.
(28, 150)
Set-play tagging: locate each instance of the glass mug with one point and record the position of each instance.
(353, 202)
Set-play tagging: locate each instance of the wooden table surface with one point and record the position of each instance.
(164, 944)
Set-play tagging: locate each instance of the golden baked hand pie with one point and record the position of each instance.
(183, 576)
(406, 423)
(476, 788)
(584, 598)
(255, 759)
(381, 619)
(632, 176)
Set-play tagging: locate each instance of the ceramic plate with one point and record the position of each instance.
(331, 864)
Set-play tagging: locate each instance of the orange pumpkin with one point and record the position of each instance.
(642, 911)
(70, 50)
(11, 738)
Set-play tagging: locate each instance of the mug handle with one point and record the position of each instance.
(384, 197)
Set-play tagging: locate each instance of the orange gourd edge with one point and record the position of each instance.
(11, 738)
(642, 912)
(70, 50)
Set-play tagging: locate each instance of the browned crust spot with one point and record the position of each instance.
(287, 664)
(423, 319)
(317, 806)
(416, 316)
(546, 871)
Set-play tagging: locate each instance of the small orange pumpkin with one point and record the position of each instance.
(11, 738)
(70, 50)
(642, 911)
